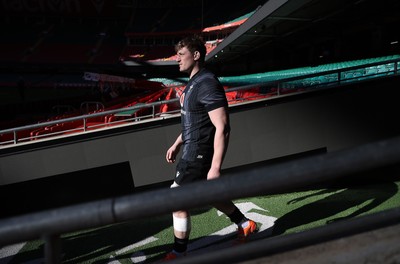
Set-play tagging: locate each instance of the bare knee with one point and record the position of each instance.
(181, 214)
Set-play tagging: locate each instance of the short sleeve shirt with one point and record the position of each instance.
(202, 94)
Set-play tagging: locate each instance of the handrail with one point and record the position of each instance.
(81, 117)
(278, 84)
(262, 180)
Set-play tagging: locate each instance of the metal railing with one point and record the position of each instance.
(276, 88)
(262, 180)
(84, 119)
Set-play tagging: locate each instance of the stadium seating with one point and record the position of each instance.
(374, 67)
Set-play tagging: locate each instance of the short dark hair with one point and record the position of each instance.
(193, 43)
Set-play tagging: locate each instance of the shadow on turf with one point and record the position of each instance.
(91, 246)
(99, 244)
(86, 247)
(356, 197)
(361, 199)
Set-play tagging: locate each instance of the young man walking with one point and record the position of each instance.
(203, 139)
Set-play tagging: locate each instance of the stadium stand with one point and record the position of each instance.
(262, 85)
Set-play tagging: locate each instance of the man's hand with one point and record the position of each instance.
(171, 153)
(213, 173)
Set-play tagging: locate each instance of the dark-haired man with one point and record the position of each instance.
(203, 139)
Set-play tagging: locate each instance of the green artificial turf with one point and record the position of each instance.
(147, 240)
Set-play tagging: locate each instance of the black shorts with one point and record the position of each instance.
(191, 171)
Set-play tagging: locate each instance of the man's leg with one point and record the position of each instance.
(182, 227)
(246, 226)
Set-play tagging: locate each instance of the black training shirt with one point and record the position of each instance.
(202, 94)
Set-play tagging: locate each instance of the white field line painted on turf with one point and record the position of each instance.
(8, 252)
(246, 207)
(265, 222)
(136, 245)
(226, 244)
(137, 257)
(213, 238)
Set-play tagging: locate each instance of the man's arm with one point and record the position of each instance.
(174, 149)
(220, 119)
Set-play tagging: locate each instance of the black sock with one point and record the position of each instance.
(180, 245)
(237, 217)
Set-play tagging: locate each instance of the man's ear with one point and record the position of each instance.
(196, 55)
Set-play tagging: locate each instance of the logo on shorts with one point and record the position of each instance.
(199, 156)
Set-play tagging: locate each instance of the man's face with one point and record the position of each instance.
(186, 60)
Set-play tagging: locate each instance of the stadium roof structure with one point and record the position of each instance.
(286, 28)
(279, 34)
(292, 33)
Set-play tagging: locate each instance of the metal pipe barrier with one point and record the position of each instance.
(279, 244)
(262, 180)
